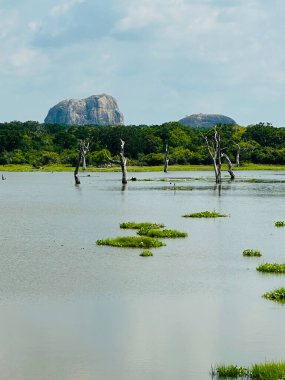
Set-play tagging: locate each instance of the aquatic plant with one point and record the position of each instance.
(271, 268)
(279, 223)
(132, 242)
(134, 225)
(146, 254)
(230, 371)
(262, 371)
(157, 233)
(205, 214)
(251, 253)
(277, 295)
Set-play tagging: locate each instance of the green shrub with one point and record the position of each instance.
(205, 214)
(251, 253)
(277, 295)
(268, 371)
(271, 268)
(152, 232)
(137, 226)
(279, 224)
(228, 371)
(146, 254)
(132, 242)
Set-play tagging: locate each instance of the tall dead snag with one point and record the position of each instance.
(82, 151)
(215, 152)
(122, 162)
(237, 155)
(230, 165)
(166, 159)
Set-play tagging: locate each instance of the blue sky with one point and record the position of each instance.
(161, 59)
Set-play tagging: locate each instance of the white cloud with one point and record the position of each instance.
(63, 8)
(28, 61)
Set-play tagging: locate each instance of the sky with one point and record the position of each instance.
(160, 59)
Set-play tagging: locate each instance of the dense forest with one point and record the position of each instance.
(42, 144)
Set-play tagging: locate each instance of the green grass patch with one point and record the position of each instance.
(146, 254)
(268, 371)
(132, 242)
(157, 233)
(138, 226)
(271, 268)
(277, 295)
(279, 223)
(251, 253)
(230, 371)
(263, 371)
(205, 214)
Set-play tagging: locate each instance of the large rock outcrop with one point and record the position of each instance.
(97, 109)
(201, 120)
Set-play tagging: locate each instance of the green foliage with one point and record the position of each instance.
(205, 214)
(146, 254)
(279, 224)
(271, 268)
(132, 242)
(230, 371)
(134, 225)
(251, 253)
(157, 233)
(277, 295)
(268, 371)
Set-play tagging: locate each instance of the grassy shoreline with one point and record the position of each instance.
(67, 168)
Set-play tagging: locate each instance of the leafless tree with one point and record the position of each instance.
(230, 165)
(122, 162)
(82, 151)
(166, 159)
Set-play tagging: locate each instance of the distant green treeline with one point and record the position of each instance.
(44, 144)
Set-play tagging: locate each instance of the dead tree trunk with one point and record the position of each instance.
(82, 151)
(230, 165)
(215, 153)
(122, 162)
(237, 155)
(166, 159)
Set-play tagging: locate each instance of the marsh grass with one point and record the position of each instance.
(271, 268)
(262, 371)
(132, 242)
(205, 214)
(146, 254)
(157, 233)
(230, 371)
(277, 295)
(251, 253)
(138, 226)
(279, 223)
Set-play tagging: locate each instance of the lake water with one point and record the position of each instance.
(72, 310)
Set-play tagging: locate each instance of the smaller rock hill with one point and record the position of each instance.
(202, 120)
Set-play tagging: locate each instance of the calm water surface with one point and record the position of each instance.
(72, 310)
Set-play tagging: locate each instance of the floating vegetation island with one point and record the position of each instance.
(251, 253)
(146, 254)
(279, 223)
(263, 371)
(271, 268)
(132, 242)
(277, 295)
(138, 226)
(205, 214)
(157, 233)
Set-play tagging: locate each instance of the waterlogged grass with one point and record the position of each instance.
(205, 214)
(146, 254)
(138, 226)
(132, 242)
(277, 295)
(263, 371)
(279, 223)
(157, 233)
(251, 253)
(230, 371)
(271, 268)
(268, 371)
